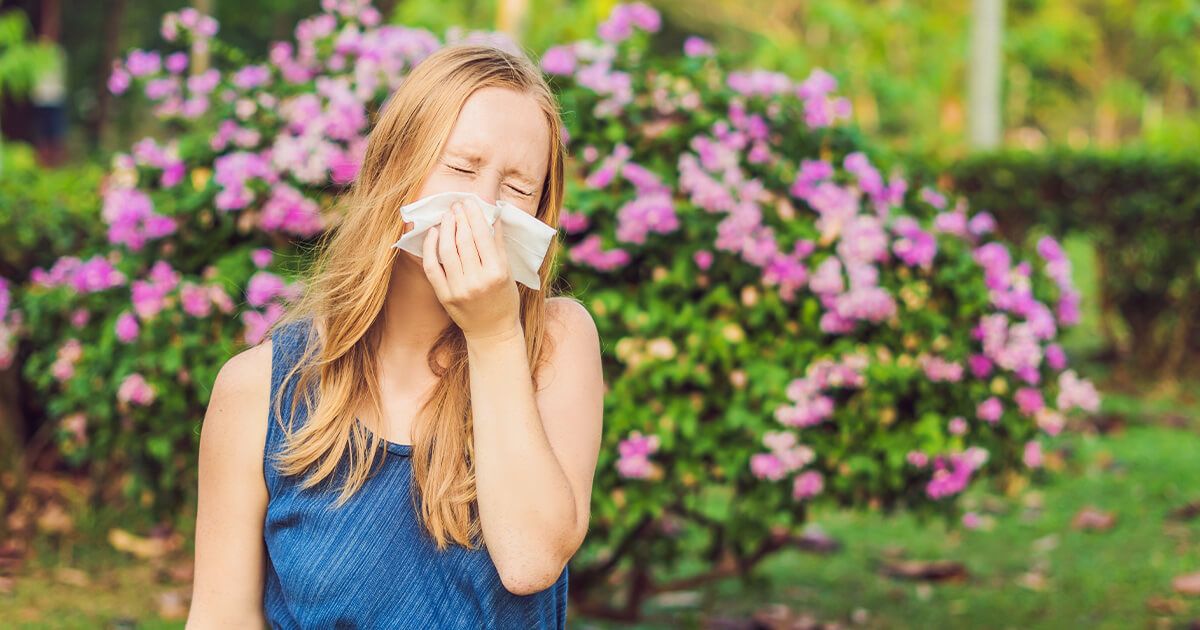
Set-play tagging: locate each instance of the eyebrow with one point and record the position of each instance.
(474, 158)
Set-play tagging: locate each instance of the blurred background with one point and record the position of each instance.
(1075, 120)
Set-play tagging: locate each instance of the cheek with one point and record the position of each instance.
(437, 183)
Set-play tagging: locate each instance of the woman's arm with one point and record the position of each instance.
(227, 591)
(536, 452)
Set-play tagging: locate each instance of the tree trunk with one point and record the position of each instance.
(109, 48)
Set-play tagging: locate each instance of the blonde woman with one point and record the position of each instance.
(414, 446)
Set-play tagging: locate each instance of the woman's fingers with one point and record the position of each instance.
(448, 254)
(464, 238)
(484, 237)
(433, 268)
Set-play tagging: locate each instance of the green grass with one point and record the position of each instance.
(1092, 579)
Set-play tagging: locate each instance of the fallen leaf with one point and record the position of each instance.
(55, 520)
(171, 605)
(1033, 581)
(678, 599)
(141, 547)
(1188, 584)
(1045, 544)
(1186, 512)
(72, 576)
(816, 541)
(180, 571)
(782, 617)
(1166, 605)
(932, 570)
(1093, 518)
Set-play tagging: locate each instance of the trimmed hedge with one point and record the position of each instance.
(1142, 212)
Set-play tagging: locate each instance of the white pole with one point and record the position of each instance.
(987, 37)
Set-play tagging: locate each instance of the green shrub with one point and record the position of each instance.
(1142, 212)
(783, 323)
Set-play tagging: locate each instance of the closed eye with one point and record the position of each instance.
(468, 172)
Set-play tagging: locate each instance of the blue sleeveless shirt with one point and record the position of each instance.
(371, 563)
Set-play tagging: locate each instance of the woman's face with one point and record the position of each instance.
(497, 150)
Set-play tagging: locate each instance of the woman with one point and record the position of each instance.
(414, 446)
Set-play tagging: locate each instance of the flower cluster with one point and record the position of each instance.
(10, 320)
(635, 452)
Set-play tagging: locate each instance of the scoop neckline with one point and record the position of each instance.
(392, 447)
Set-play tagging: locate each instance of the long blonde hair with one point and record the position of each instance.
(344, 297)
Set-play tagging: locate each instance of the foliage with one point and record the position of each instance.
(21, 60)
(784, 323)
(1142, 212)
(45, 213)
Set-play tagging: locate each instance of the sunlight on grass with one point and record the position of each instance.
(1031, 570)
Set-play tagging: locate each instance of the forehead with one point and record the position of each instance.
(503, 129)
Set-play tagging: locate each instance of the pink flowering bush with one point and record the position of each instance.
(786, 322)
(789, 320)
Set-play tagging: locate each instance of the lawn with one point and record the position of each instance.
(1027, 567)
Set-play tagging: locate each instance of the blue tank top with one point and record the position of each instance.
(371, 563)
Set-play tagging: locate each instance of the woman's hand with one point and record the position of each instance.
(468, 268)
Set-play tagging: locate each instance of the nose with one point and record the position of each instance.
(487, 185)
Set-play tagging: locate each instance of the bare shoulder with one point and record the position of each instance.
(232, 496)
(568, 314)
(575, 342)
(235, 424)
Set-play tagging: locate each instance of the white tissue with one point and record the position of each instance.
(526, 238)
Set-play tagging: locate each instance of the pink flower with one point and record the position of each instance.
(971, 520)
(573, 222)
(263, 287)
(916, 247)
(938, 369)
(958, 426)
(119, 79)
(1029, 400)
(624, 17)
(1076, 392)
(703, 259)
(79, 317)
(695, 46)
(220, 298)
(76, 426)
(559, 60)
(1056, 358)
(635, 452)
(990, 410)
(261, 257)
(766, 466)
(807, 485)
(1033, 455)
(148, 299)
(952, 477)
(257, 322)
(981, 367)
(135, 390)
(127, 327)
(917, 458)
(195, 300)
(176, 62)
(589, 252)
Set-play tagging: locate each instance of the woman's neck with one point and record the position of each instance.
(413, 316)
